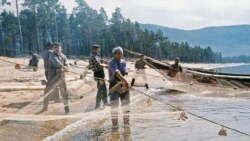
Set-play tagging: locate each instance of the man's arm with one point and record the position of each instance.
(119, 76)
(144, 64)
(122, 79)
(116, 73)
(90, 64)
(96, 62)
(55, 62)
(181, 70)
(136, 65)
(65, 60)
(104, 61)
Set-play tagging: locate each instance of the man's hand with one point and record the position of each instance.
(126, 84)
(104, 62)
(104, 65)
(64, 69)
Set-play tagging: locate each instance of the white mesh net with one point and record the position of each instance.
(150, 118)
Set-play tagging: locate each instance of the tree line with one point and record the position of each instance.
(236, 59)
(42, 21)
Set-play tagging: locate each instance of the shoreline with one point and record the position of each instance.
(212, 65)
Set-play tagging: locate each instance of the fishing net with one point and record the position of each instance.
(163, 111)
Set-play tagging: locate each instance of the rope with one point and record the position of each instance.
(148, 75)
(195, 115)
(17, 63)
(11, 62)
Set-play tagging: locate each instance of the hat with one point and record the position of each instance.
(116, 49)
(96, 46)
(177, 58)
(141, 55)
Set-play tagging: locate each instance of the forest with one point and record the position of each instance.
(30, 24)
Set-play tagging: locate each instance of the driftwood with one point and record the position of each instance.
(20, 88)
(30, 88)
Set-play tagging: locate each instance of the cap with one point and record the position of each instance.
(96, 46)
(177, 58)
(116, 49)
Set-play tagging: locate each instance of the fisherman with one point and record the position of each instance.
(117, 71)
(97, 65)
(175, 68)
(56, 77)
(140, 67)
(46, 58)
(34, 61)
(55, 94)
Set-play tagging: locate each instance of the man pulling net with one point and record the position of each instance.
(117, 71)
(56, 77)
(140, 67)
(175, 68)
(97, 65)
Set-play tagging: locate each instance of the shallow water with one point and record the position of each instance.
(152, 120)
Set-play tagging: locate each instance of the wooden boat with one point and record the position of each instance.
(239, 77)
(201, 75)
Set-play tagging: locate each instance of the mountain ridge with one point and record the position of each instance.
(225, 39)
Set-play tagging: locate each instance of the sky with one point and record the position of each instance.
(182, 14)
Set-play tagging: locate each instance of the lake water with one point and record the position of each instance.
(156, 121)
(244, 69)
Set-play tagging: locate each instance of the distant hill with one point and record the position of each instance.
(230, 40)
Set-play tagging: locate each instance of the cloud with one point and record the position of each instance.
(184, 14)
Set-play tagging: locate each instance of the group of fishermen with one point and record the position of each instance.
(55, 67)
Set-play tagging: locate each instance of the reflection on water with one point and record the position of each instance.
(104, 133)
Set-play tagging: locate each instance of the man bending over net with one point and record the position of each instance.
(117, 71)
